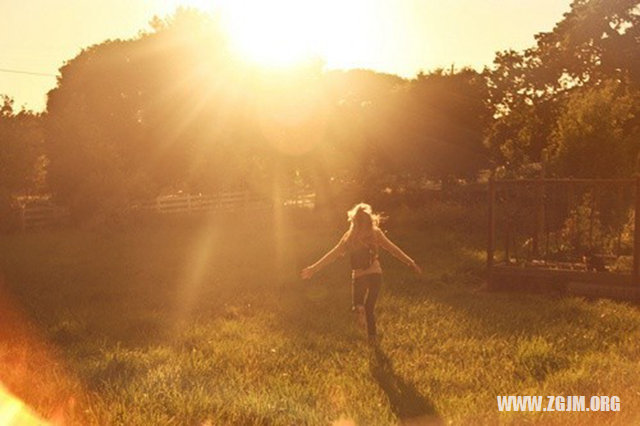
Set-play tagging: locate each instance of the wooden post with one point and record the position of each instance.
(620, 207)
(592, 215)
(492, 227)
(636, 236)
(507, 254)
(539, 208)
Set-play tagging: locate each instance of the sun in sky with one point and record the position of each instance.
(278, 33)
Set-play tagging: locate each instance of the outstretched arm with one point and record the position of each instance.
(389, 246)
(328, 258)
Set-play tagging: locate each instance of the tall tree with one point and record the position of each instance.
(21, 157)
(597, 132)
(440, 124)
(21, 150)
(596, 42)
(128, 118)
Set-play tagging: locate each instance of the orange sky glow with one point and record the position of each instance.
(401, 37)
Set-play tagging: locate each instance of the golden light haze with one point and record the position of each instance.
(400, 36)
(345, 34)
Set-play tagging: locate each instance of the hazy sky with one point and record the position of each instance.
(396, 36)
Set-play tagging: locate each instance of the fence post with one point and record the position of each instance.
(539, 208)
(636, 236)
(492, 226)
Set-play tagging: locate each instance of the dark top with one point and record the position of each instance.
(362, 256)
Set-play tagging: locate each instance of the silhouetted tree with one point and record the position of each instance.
(21, 157)
(359, 129)
(531, 92)
(21, 150)
(596, 40)
(597, 132)
(129, 118)
(387, 132)
(440, 124)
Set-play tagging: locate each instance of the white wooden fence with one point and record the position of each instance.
(224, 201)
(306, 200)
(39, 212)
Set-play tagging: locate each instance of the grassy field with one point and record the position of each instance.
(206, 322)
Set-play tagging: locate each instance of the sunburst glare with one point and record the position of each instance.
(281, 33)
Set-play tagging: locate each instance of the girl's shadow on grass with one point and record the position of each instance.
(406, 402)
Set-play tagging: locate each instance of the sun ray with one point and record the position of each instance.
(198, 272)
(281, 33)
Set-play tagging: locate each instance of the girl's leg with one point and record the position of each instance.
(374, 282)
(358, 293)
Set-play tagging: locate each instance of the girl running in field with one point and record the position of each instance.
(361, 242)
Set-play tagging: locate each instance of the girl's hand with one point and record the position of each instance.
(307, 273)
(417, 269)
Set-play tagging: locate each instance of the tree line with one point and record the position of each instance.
(175, 109)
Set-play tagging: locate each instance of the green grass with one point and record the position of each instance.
(206, 322)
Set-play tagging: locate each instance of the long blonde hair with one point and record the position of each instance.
(362, 223)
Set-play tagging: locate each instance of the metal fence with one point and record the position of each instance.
(574, 230)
